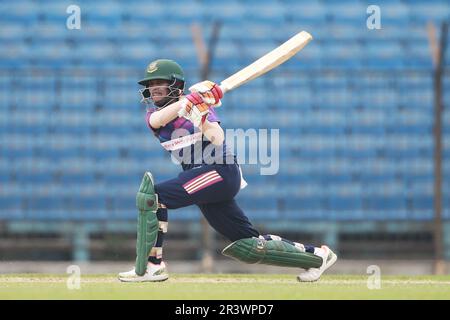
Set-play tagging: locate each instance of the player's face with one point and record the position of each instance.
(159, 89)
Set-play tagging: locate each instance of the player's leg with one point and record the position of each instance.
(156, 253)
(156, 268)
(148, 230)
(249, 246)
(204, 184)
(314, 273)
(328, 259)
(229, 220)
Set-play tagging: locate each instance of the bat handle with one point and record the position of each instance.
(223, 87)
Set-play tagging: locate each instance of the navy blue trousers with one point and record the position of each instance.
(212, 188)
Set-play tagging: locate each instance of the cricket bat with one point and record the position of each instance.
(267, 62)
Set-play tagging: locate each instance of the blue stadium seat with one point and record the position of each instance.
(96, 55)
(13, 32)
(315, 12)
(51, 33)
(233, 13)
(388, 55)
(193, 13)
(11, 207)
(303, 213)
(258, 207)
(81, 178)
(22, 12)
(345, 13)
(384, 203)
(422, 202)
(45, 208)
(436, 11)
(111, 178)
(339, 203)
(270, 14)
(55, 56)
(12, 54)
(138, 54)
(35, 178)
(225, 54)
(305, 203)
(395, 14)
(102, 12)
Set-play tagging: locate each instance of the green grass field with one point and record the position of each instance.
(223, 287)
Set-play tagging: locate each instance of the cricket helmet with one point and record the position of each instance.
(163, 69)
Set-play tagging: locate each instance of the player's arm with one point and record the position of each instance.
(194, 106)
(162, 117)
(213, 132)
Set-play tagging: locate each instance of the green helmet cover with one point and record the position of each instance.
(162, 69)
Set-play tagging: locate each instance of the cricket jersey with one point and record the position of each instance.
(187, 143)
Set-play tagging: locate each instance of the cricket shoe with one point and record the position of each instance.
(313, 274)
(154, 272)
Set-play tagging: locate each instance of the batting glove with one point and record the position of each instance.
(194, 109)
(209, 91)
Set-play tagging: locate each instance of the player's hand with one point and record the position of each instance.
(209, 91)
(194, 109)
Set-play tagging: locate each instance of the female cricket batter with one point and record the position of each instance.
(188, 127)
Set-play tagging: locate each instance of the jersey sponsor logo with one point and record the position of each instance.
(202, 181)
(182, 142)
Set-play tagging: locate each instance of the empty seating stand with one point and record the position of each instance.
(354, 109)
